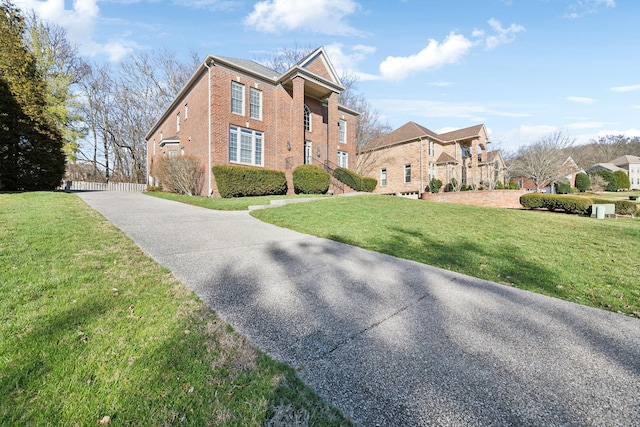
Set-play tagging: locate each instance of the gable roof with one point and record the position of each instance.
(318, 63)
(466, 133)
(410, 131)
(608, 166)
(446, 159)
(625, 160)
(248, 65)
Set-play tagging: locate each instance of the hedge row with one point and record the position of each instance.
(241, 181)
(573, 205)
(355, 181)
(310, 179)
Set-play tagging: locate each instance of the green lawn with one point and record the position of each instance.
(592, 262)
(228, 204)
(90, 327)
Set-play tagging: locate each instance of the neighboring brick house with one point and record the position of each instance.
(567, 170)
(236, 111)
(405, 160)
(628, 164)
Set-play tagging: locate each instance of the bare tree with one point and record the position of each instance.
(604, 149)
(541, 161)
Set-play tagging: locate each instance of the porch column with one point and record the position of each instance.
(331, 150)
(296, 155)
(474, 162)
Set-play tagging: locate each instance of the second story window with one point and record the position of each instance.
(186, 111)
(178, 122)
(407, 173)
(255, 104)
(307, 119)
(237, 98)
(342, 131)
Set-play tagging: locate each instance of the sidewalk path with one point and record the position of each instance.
(388, 341)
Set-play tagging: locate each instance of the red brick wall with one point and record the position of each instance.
(493, 198)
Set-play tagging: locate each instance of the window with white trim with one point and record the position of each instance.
(383, 177)
(407, 174)
(246, 146)
(178, 122)
(255, 103)
(237, 98)
(186, 111)
(432, 148)
(343, 159)
(342, 129)
(307, 118)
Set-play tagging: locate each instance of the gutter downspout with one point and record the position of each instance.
(210, 190)
(421, 172)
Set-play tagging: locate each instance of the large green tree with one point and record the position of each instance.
(31, 156)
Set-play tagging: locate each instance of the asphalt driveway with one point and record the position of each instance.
(388, 341)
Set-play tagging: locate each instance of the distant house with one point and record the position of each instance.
(405, 160)
(628, 164)
(238, 112)
(568, 170)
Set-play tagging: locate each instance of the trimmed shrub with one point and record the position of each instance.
(242, 181)
(563, 188)
(572, 205)
(622, 180)
(310, 179)
(583, 183)
(435, 185)
(355, 181)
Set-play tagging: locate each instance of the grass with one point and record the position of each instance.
(91, 328)
(228, 204)
(579, 259)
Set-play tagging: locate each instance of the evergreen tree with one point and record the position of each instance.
(583, 183)
(31, 156)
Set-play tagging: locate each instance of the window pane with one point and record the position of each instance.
(307, 119)
(233, 145)
(255, 101)
(407, 173)
(245, 148)
(237, 95)
(342, 127)
(258, 154)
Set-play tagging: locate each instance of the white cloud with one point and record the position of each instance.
(523, 135)
(435, 55)
(585, 125)
(580, 8)
(631, 132)
(79, 23)
(630, 88)
(581, 100)
(503, 35)
(344, 61)
(317, 16)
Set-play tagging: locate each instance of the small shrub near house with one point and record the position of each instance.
(310, 179)
(435, 185)
(622, 180)
(181, 175)
(244, 181)
(355, 181)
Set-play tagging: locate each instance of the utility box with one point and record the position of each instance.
(602, 210)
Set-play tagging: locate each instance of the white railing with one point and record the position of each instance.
(102, 186)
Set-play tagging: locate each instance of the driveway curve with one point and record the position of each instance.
(393, 342)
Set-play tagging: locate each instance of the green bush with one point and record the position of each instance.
(583, 183)
(572, 205)
(563, 188)
(152, 188)
(435, 185)
(608, 177)
(241, 181)
(310, 179)
(622, 180)
(355, 181)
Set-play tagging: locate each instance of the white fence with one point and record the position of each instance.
(102, 186)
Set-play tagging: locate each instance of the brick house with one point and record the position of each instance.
(236, 111)
(567, 171)
(405, 160)
(628, 164)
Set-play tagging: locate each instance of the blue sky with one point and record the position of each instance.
(522, 67)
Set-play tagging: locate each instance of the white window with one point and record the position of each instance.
(407, 173)
(237, 98)
(308, 152)
(178, 122)
(342, 129)
(245, 146)
(255, 104)
(432, 171)
(186, 111)
(383, 176)
(307, 119)
(432, 148)
(343, 159)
